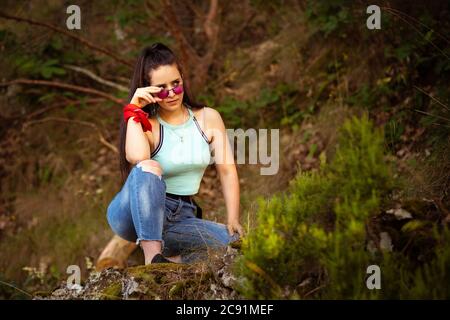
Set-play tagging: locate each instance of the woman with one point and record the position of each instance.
(155, 206)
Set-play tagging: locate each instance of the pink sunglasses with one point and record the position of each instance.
(164, 93)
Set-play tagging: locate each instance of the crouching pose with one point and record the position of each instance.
(166, 143)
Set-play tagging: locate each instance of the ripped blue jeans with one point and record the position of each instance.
(141, 211)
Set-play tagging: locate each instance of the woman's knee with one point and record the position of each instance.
(220, 233)
(122, 228)
(151, 166)
(213, 235)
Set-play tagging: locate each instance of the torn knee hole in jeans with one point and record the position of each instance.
(147, 168)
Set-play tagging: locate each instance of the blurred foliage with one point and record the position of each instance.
(32, 67)
(271, 107)
(330, 16)
(277, 64)
(317, 247)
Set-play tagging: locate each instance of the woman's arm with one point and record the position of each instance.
(226, 168)
(137, 147)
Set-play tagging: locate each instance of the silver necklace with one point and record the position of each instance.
(182, 136)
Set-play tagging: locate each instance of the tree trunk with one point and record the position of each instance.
(115, 254)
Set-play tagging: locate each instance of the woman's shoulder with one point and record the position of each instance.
(209, 114)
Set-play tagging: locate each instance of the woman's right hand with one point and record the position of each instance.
(143, 96)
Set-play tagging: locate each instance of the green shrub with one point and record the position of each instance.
(329, 16)
(312, 242)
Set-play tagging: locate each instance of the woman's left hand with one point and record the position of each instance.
(235, 226)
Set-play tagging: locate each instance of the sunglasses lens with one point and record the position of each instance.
(178, 90)
(163, 94)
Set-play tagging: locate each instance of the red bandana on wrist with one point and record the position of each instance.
(131, 110)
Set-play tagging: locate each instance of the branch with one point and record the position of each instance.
(417, 30)
(433, 115)
(171, 20)
(123, 79)
(64, 86)
(85, 123)
(194, 8)
(210, 28)
(199, 63)
(69, 34)
(419, 22)
(59, 105)
(95, 77)
(433, 98)
(242, 29)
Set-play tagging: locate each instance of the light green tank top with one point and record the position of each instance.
(183, 153)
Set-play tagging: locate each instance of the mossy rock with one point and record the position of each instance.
(112, 292)
(171, 281)
(176, 291)
(143, 271)
(43, 294)
(236, 244)
(421, 209)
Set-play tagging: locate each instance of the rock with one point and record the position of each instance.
(130, 286)
(385, 242)
(59, 293)
(75, 287)
(211, 279)
(400, 213)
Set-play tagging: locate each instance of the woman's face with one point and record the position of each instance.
(168, 77)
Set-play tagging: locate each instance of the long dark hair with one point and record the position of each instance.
(149, 59)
